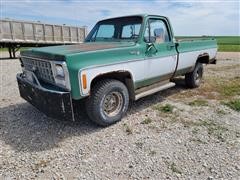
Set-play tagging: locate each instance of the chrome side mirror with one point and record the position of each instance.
(150, 46)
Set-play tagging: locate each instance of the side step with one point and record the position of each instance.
(152, 90)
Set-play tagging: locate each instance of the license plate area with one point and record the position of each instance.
(29, 76)
(54, 104)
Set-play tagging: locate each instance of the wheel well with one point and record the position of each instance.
(204, 58)
(124, 76)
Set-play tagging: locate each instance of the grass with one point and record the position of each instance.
(234, 104)
(139, 145)
(128, 129)
(228, 43)
(217, 88)
(228, 48)
(197, 140)
(146, 121)
(3, 49)
(228, 40)
(168, 108)
(232, 88)
(195, 130)
(221, 112)
(214, 129)
(198, 102)
(175, 169)
(21, 49)
(41, 164)
(152, 153)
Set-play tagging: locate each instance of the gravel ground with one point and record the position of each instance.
(185, 140)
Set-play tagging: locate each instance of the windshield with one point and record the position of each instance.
(117, 29)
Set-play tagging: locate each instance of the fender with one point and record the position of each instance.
(95, 72)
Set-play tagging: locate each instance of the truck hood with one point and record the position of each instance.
(54, 52)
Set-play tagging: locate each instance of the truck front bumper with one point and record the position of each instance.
(55, 104)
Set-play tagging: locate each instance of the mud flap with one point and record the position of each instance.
(55, 104)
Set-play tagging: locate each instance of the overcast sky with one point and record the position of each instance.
(187, 17)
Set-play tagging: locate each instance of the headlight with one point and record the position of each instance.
(59, 71)
(61, 75)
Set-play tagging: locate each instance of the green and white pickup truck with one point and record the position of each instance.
(122, 59)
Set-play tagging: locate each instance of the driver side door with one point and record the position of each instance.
(161, 54)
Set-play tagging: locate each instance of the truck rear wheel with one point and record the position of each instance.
(108, 102)
(194, 78)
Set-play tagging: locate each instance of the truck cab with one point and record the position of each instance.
(122, 59)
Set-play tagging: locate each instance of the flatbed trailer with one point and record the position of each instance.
(15, 34)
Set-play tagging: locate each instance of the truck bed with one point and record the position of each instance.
(192, 38)
(190, 49)
(195, 43)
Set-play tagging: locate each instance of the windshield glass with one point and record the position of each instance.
(117, 29)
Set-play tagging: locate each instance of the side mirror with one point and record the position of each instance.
(150, 46)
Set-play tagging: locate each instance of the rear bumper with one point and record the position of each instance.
(55, 104)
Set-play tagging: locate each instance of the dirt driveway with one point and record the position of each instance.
(175, 134)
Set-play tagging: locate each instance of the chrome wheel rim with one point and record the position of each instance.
(112, 103)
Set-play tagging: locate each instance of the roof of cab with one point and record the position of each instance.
(140, 15)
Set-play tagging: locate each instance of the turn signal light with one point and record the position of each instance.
(84, 81)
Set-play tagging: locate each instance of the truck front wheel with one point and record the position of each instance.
(108, 102)
(194, 78)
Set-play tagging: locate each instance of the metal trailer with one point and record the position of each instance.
(15, 34)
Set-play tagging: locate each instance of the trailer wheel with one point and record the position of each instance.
(194, 78)
(108, 102)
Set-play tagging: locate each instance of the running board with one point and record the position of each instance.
(154, 90)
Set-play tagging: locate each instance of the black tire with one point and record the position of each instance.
(103, 94)
(194, 78)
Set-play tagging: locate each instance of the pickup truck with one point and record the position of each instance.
(122, 59)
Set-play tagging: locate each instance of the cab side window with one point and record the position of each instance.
(158, 32)
(130, 31)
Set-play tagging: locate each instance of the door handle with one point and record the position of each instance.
(172, 45)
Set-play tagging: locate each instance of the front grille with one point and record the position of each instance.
(41, 68)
